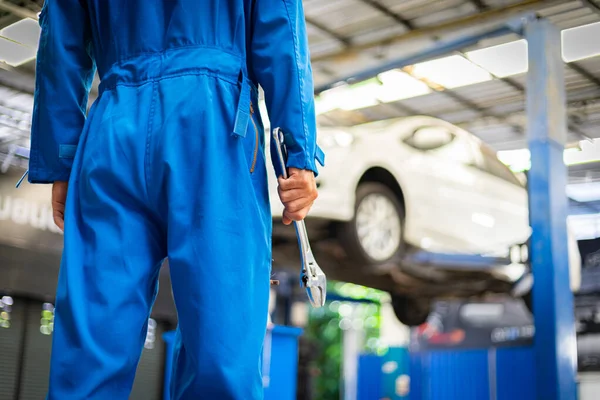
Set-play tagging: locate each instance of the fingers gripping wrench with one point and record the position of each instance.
(311, 276)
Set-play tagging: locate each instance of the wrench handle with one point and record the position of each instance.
(300, 226)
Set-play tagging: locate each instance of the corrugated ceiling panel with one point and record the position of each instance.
(459, 115)
(380, 32)
(560, 8)
(343, 14)
(325, 47)
(452, 10)
(591, 65)
(408, 7)
(489, 94)
(508, 108)
(432, 104)
(573, 19)
(423, 8)
(500, 3)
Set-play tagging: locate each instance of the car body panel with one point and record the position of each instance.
(453, 203)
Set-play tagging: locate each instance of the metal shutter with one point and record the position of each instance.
(36, 360)
(10, 346)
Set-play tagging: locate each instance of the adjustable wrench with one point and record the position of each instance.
(311, 276)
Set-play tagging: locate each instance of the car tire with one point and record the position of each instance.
(352, 234)
(411, 311)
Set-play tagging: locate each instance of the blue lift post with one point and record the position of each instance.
(555, 342)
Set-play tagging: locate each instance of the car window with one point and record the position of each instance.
(430, 138)
(493, 166)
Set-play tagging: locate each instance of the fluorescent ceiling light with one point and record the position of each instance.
(590, 152)
(25, 32)
(398, 85)
(349, 97)
(451, 72)
(389, 86)
(361, 95)
(517, 160)
(581, 42)
(503, 60)
(19, 42)
(324, 104)
(15, 54)
(583, 192)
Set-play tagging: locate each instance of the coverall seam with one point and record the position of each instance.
(161, 78)
(161, 52)
(148, 137)
(300, 84)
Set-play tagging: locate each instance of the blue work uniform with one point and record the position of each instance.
(169, 162)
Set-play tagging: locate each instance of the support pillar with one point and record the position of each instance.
(555, 342)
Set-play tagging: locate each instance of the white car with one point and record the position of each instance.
(417, 183)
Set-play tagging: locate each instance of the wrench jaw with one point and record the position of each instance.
(314, 281)
(317, 289)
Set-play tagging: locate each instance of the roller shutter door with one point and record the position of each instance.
(12, 326)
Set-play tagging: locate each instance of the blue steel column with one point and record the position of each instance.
(555, 346)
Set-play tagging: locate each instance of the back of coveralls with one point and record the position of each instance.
(170, 163)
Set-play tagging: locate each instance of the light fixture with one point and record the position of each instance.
(19, 42)
(520, 159)
(26, 32)
(349, 97)
(580, 42)
(503, 60)
(451, 72)
(15, 54)
(398, 85)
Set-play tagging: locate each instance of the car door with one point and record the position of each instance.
(453, 212)
(505, 199)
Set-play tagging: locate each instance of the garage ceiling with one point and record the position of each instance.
(350, 36)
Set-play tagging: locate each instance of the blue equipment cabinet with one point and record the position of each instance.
(280, 362)
(506, 373)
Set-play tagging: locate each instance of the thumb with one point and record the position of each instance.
(286, 220)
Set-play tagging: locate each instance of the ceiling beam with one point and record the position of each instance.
(481, 6)
(16, 80)
(486, 112)
(346, 42)
(571, 107)
(393, 15)
(585, 73)
(591, 5)
(491, 15)
(7, 20)
(16, 10)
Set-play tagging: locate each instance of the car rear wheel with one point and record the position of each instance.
(411, 311)
(375, 235)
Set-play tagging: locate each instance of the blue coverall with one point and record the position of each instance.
(170, 163)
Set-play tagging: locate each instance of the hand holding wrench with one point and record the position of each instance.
(311, 276)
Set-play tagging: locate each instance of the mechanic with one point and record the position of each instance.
(168, 163)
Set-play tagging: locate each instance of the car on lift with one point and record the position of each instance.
(418, 207)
